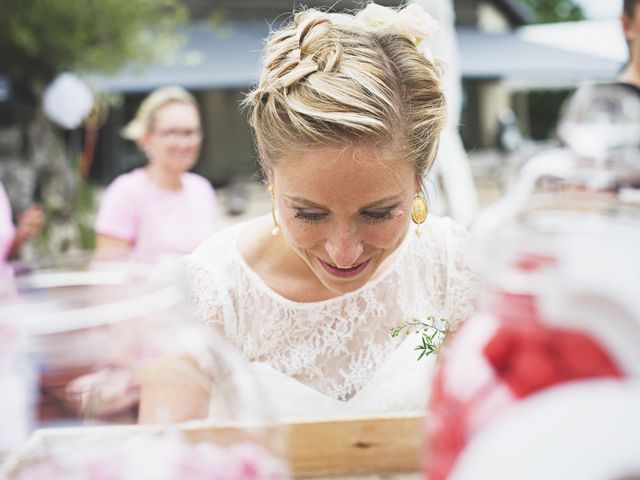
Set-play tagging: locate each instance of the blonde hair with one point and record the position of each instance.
(328, 80)
(142, 123)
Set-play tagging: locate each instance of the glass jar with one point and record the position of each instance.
(537, 327)
(558, 260)
(113, 344)
(15, 379)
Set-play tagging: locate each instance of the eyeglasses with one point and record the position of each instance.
(179, 134)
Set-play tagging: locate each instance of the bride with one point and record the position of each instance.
(347, 114)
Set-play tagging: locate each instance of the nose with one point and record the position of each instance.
(344, 247)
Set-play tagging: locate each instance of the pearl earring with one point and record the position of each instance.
(276, 229)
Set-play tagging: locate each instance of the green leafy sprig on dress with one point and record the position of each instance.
(432, 334)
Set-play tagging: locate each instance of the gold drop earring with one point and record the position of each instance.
(419, 211)
(276, 228)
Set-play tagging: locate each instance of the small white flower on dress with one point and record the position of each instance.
(413, 22)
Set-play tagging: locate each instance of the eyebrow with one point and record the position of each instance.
(308, 203)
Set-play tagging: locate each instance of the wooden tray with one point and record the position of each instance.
(363, 448)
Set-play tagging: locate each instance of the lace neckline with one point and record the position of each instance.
(399, 254)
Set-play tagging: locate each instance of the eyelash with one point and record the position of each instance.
(309, 217)
(375, 217)
(372, 217)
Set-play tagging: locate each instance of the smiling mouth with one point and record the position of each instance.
(344, 272)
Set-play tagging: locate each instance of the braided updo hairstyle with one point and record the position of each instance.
(327, 80)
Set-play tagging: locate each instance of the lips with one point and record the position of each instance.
(344, 272)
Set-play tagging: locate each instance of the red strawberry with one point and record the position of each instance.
(531, 369)
(499, 348)
(581, 357)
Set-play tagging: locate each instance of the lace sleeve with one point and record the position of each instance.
(206, 297)
(462, 287)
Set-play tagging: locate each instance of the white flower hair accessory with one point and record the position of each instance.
(413, 22)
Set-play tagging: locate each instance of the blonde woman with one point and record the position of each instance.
(347, 115)
(161, 208)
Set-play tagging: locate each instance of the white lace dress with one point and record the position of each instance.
(336, 357)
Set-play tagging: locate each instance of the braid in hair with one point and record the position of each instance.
(326, 80)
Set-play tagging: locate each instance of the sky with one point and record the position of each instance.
(601, 8)
(601, 36)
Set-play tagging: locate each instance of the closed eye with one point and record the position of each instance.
(371, 216)
(377, 215)
(309, 216)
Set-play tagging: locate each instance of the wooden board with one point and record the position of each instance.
(345, 446)
(377, 445)
(364, 448)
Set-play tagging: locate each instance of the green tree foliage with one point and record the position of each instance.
(40, 38)
(548, 11)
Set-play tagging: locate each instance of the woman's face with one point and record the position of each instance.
(175, 137)
(343, 211)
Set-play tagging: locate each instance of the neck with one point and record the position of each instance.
(162, 178)
(289, 260)
(631, 72)
(309, 288)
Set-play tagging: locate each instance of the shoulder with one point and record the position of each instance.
(128, 182)
(256, 244)
(245, 239)
(214, 275)
(446, 225)
(442, 251)
(125, 193)
(212, 266)
(196, 181)
(443, 233)
(629, 87)
(445, 255)
(219, 247)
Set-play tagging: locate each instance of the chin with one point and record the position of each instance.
(344, 289)
(341, 287)
(184, 165)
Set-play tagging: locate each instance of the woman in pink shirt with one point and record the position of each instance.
(161, 208)
(11, 237)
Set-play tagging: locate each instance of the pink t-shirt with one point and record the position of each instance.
(155, 220)
(7, 229)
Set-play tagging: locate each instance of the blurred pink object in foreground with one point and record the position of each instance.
(167, 456)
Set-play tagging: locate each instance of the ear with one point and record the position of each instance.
(267, 172)
(144, 142)
(418, 185)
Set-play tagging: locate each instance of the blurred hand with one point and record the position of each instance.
(174, 389)
(30, 223)
(104, 393)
